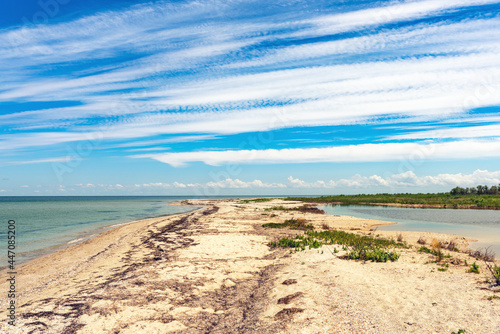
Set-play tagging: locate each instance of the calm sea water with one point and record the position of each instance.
(45, 224)
(482, 225)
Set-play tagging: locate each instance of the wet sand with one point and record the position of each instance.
(211, 271)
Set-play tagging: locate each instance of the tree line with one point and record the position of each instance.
(479, 190)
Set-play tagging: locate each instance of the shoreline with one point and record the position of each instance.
(87, 235)
(422, 206)
(211, 270)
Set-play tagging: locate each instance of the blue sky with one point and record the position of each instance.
(248, 97)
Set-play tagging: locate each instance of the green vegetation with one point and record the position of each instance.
(294, 224)
(480, 196)
(299, 242)
(474, 268)
(493, 297)
(303, 208)
(444, 267)
(359, 247)
(436, 252)
(256, 200)
(460, 331)
(280, 208)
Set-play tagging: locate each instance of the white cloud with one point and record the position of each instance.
(492, 130)
(348, 153)
(432, 87)
(38, 161)
(154, 184)
(406, 179)
(402, 11)
(231, 93)
(237, 184)
(297, 183)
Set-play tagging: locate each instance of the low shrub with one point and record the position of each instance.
(256, 200)
(374, 255)
(358, 247)
(294, 224)
(304, 208)
(494, 271)
(451, 246)
(486, 255)
(474, 268)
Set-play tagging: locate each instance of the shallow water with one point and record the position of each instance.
(481, 225)
(44, 224)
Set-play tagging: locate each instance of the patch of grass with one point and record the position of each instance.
(374, 255)
(256, 200)
(299, 242)
(275, 208)
(358, 247)
(294, 224)
(444, 267)
(460, 331)
(304, 208)
(493, 297)
(435, 252)
(474, 268)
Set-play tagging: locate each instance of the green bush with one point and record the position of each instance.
(294, 224)
(359, 247)
(474, 268)
(257, 200)
(374, 255)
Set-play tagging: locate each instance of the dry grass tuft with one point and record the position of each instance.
(400, 237)
(421, 240)
(451, 246)
(435, 244)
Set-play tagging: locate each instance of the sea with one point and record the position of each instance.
(480, 225)
(46, 224)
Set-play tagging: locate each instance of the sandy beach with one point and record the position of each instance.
(211, 271)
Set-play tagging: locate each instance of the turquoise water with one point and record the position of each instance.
(45, 224)
(482, 225)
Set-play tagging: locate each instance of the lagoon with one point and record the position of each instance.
(481, 225)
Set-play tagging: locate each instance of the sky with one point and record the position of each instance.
(245, 97)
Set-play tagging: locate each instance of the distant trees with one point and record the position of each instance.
(479, 190)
